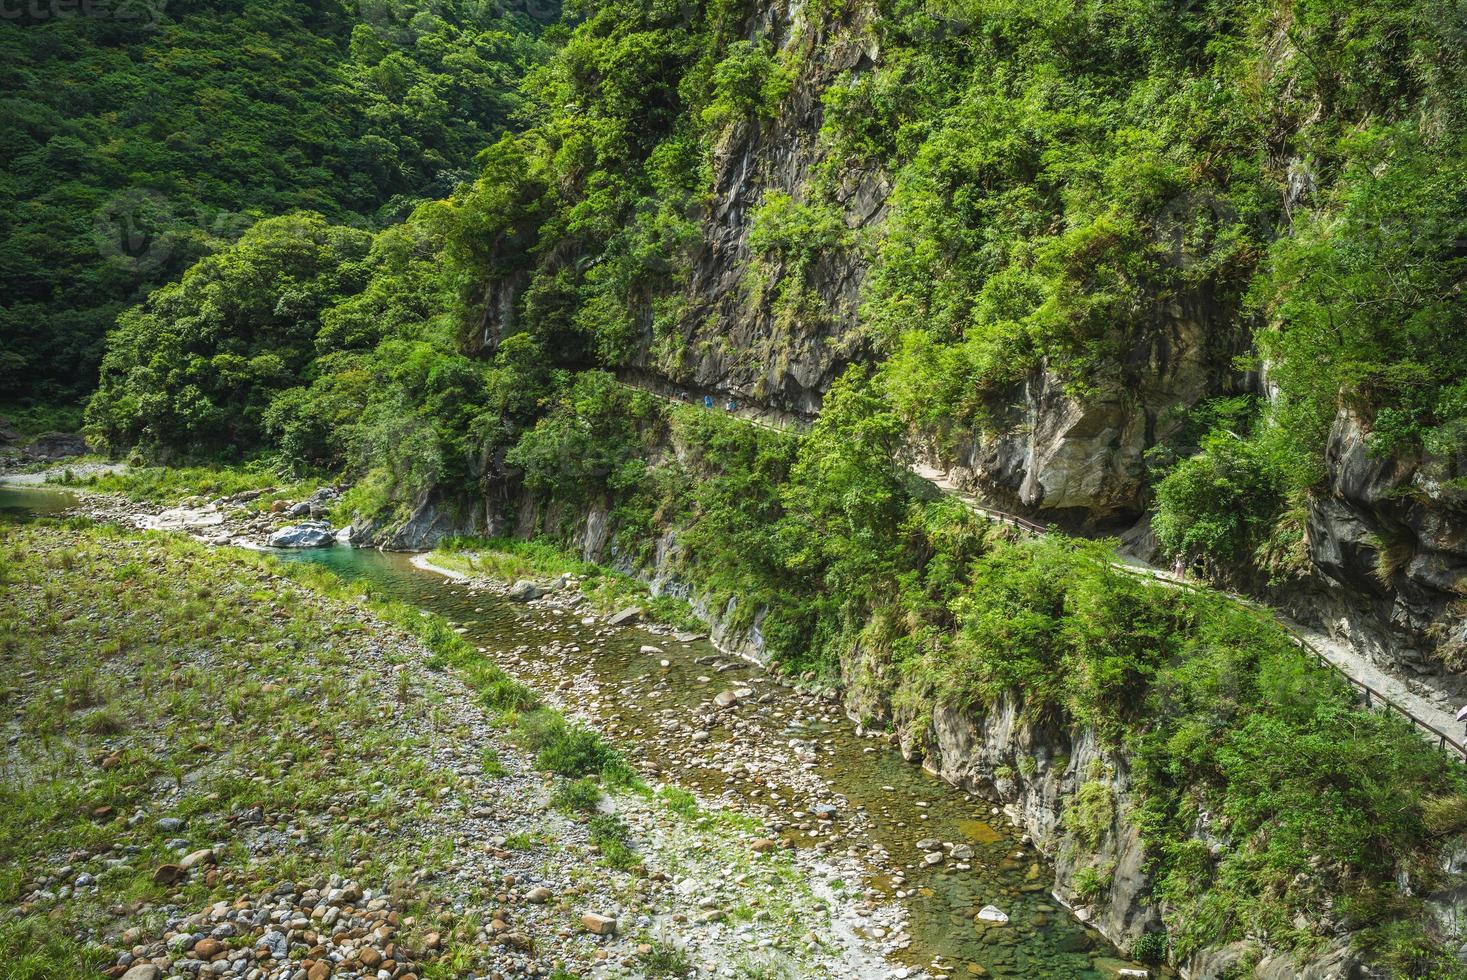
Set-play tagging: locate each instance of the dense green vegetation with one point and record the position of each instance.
(918, 603)
(140, 137)
(1063, 181)
(1068, 182)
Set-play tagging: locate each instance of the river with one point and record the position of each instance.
(882, 805)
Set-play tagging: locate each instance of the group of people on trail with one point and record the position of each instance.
(728, 406)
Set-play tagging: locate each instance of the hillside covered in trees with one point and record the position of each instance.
(140, 137)
(1185, 274)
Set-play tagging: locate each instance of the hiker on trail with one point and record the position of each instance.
(1179, 567)
(707, 401)
(730, 407)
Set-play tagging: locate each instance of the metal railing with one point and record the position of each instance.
(1371, 698)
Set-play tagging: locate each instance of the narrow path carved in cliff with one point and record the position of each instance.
(1378, 688)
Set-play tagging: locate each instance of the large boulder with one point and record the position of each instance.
(307, 534)
(524, 590)
(56, 445)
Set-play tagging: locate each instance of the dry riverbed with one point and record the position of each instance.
(212, 768)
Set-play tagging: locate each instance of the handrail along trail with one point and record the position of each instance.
(1372, 697)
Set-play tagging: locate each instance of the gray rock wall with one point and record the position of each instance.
(1388, 543)
(730, 338)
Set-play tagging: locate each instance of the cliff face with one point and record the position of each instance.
(730, 337)
(1080, 459)
(1388, 543)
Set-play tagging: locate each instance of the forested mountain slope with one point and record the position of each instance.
(141, 136)
(1187, 272)
(1114, 262)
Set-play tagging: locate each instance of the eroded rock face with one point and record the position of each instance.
(1334, 962)
(731, 338)
(436, 515)
(1082, 456)
(728, 335)
(1388, 541)
(1037, 770)
(56, 445)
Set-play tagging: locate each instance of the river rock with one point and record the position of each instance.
(168, 874)
(992, 913)
(302, 509)
(524, 590)
(197, 858)
(143, 971)
(275, 943)
(207, 948)
(307, 534)
(601, 925)
(628, 615)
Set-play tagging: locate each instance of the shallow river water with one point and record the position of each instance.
(664, 717)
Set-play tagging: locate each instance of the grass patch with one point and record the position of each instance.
(510, 559)
(491, 764)
(576, 796)
(662, 960)
(169, 485)
(37, 951)
(613, 838)
(679, 801)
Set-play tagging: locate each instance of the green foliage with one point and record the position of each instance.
(1368, 298)
(134, 145)
(747, 84)
(1092, 882)
(577, 796)
(611, 835)
(590, 446)
(663, 961)
(1091, 814)
(1149, 947)
(567, 749)
(1058, 172)
(1221, 504)
(679, 801)
(191, 371)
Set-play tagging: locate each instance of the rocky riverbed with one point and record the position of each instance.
(946, 887)
(338, 807)
(906, 876)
